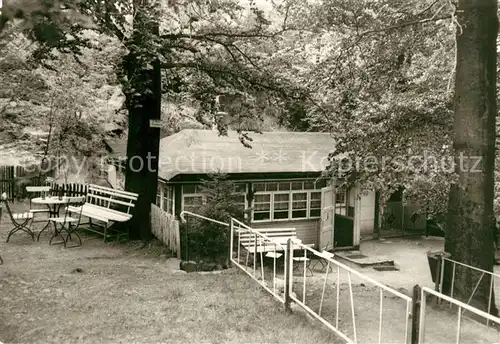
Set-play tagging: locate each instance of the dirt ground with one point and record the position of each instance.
(109, 293)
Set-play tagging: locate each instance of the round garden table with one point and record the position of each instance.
(54, 204)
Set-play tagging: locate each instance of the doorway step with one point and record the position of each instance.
(356, 257)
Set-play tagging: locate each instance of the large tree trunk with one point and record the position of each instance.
(469, 235)
(143, 141)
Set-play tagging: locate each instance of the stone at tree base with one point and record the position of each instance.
(188, 266)
(178, 272)
(203, 266)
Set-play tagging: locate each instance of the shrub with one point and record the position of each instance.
(206, 240)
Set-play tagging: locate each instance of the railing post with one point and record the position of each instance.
(415, 314)
(287, 275)
(231, 243)
(438, 276)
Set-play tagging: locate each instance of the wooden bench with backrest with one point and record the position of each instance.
(256, 244)
(106, 205)
(253, 243)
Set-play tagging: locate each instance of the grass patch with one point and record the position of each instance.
(114, 298)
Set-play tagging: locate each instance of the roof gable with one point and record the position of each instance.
(194, 151)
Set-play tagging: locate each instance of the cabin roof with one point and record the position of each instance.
(194, 151)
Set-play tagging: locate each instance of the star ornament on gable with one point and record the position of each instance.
(262, 156)
(280, 156)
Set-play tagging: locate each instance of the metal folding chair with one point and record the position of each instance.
(38, 191)
(322, 259)
(69, 223)
(21, 221)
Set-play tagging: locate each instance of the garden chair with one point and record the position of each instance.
(322, 259)
(38, 191)
(67, 226)
(301, 261)
(21, 221)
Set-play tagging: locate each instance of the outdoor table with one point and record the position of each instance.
(54, 204)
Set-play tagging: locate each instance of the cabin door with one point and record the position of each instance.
(326, 233)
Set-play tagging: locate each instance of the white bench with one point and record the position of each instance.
(275, 235)
(106, 205)
(257, 244)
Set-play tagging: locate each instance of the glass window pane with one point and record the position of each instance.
(280, 205)
(189, 188)
(262, 198)
(297, 186)
(299, 205)
(261, 216)
(298, 214)
(271, 186)
(300, 196)
(340, 197)
(315, 204)
(320, 183)
(262, 206)
(240, 187)
(309, 185)
(316, 195)
(281, 197)
(238, 198)
(284, 186)
(278, 215)
(193, 200)
(315, 213)
(259, 187)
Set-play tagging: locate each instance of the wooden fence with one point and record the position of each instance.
(7, 181)
(13, 180)
(71, 190)
(166, 229)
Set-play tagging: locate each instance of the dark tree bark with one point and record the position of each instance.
(143, 142)
(469, 235)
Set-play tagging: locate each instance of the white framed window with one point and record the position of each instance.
(281, 206)
(168, 198)
(341, 202)
(262, 207)
(192, 202)
(158, 195)
(341, 196)
(240, 195)
(315, 204)
(287, 200)
(193, 198)
(299, 205)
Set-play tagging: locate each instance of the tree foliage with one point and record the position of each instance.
(378, 75)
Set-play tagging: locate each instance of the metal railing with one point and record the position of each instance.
(461, 307)
(181, 215)
(481, 273)
(259, 246)
(315, 304)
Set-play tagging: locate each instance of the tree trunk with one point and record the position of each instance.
(469, 235)
(143, 141)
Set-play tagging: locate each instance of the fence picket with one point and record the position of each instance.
(166, 229)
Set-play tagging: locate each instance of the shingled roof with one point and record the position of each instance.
(193, 151)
